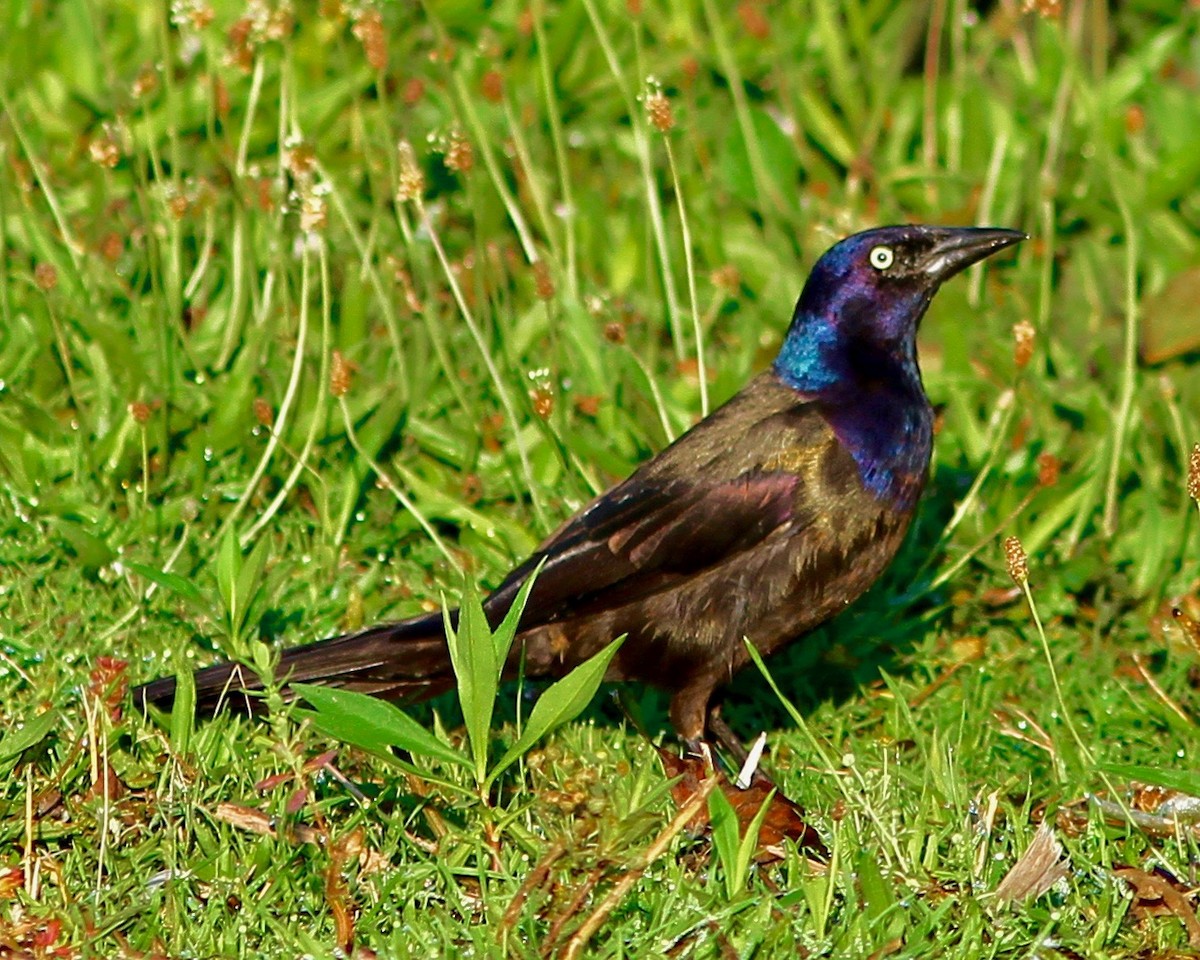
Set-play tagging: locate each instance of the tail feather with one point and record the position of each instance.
(408, 660)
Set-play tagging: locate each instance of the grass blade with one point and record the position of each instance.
(34, 732)
(183, 709)
(180, 586)
(724, 821)
(372, 724)
(562, 702)
(477, 669)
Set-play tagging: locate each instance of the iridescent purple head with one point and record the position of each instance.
(852, 345)
(858, 314)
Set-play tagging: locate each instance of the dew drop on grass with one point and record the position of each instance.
(208, 454)
(360, 517)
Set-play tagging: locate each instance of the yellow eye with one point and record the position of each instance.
(881, 257)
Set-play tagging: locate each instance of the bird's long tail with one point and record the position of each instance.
(405, 660)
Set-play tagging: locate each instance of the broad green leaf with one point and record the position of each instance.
(178, 585)
(877, 894)
(749, 845)
(250, 579)
(507, 631)
(183, 710)
(36, 730)
(372, 724)
(238, 579)
(473, 656)
(229, 566)
(91, 551)
(735, 852)
(726, 841)
(478, 656)
(562, 702)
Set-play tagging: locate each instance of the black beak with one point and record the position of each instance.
(956, 248)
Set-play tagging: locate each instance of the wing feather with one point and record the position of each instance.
(673, 517)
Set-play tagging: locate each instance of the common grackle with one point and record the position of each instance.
(762, 521)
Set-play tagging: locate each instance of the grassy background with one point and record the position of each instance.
(200, 206)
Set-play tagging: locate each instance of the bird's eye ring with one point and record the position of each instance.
(881, 257)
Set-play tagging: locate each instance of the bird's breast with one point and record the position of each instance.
(889, 435)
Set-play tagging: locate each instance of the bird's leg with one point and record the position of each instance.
(689, 707)
(696, 719)
(724, 735)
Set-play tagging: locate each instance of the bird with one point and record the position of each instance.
(764, 520)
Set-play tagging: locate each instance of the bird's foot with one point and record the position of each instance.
(747, 795)
(747, 760)
(748, 771)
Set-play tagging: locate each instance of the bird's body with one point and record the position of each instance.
(761, 522)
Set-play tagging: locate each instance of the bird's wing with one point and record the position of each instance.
(714, 494)
(643, 536)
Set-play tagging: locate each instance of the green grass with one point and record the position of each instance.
(194, 223)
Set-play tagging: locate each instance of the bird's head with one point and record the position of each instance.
(858, 314)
